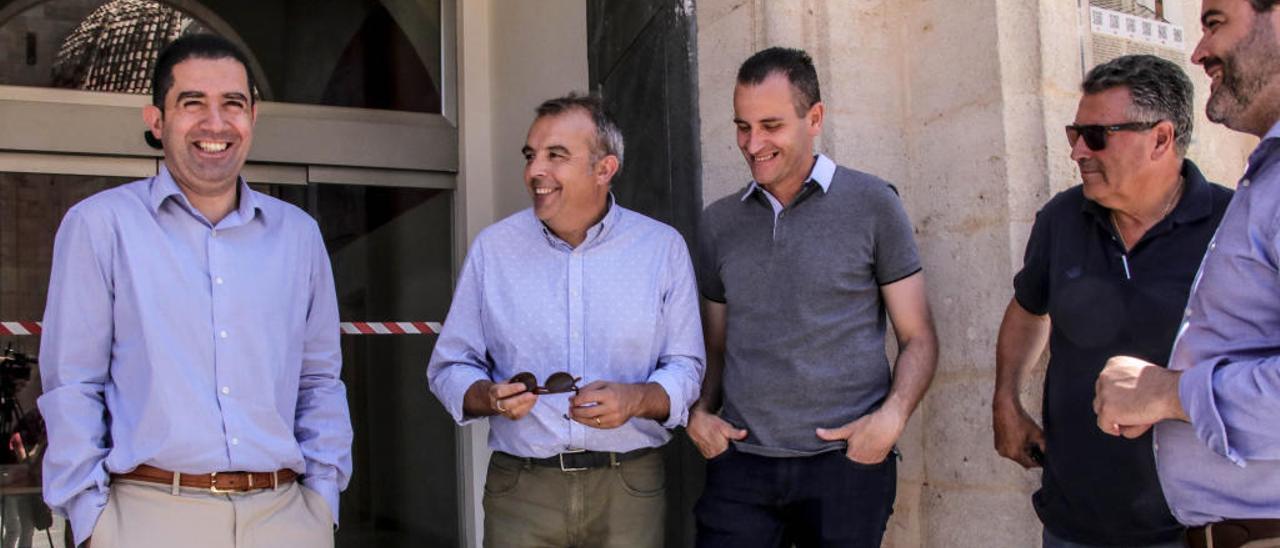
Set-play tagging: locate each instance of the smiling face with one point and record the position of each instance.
(775, 140)
(568, 185)
(1240, 54)
(206, 125)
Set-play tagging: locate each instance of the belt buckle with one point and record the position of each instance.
(213, 486)
(573, 452)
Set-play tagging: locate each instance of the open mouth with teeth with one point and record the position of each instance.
(212, 147)
(762, 158)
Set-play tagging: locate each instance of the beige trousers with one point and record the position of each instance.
(149, 515)
(528, 506)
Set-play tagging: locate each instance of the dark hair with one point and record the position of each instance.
(198, 46)
(795, 64)
(1262, 6)
(1159, 89)
(608, 136)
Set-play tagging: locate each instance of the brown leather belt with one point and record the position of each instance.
(1232, 533)
(217, 482)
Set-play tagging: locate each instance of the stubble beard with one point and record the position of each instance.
(1246, 71)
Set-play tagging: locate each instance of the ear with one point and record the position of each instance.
(814, 117)
(605, 169)
(253, 114)
(154, 118)
(1166, 140)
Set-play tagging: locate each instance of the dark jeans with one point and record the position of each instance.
(823, 500)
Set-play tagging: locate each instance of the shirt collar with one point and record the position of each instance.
(595, 234)
(1195, 203)
(824, 169)
(164, 187)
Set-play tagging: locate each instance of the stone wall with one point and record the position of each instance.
(963, 109)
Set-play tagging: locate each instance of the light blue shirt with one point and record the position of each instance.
(1225, 463)
(191, 347)
(621, 307)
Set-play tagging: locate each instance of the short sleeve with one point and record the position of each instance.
(896, 256)
(1031, 284)
(710, 285)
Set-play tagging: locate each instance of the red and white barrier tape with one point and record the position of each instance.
(348, 328)
(390, 328)
(19, 328)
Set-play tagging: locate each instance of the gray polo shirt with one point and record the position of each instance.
(806, 323)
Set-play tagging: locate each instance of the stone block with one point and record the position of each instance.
(962, 518)
(959, 442)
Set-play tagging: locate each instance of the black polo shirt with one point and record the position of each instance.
(1102, 302)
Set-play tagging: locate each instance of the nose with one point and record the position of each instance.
(752, 140)
(1199, 54)
(213, 120)
(535, 168)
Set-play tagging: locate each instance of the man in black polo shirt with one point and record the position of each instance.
(1107, 272)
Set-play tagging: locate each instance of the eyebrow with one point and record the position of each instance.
(764, 121)
(234, 95)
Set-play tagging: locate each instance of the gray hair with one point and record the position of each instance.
(1160, 90)
(608, 136)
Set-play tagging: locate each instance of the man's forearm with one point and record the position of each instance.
(1020, 342)
(476, 402)
(912, 374)
(653, 402)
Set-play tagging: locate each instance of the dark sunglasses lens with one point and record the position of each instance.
(527, 379)
(560, 382)
(1095, 137)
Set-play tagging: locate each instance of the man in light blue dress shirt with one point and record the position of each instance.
(191, 355)
(575, 292)
(1217, 406)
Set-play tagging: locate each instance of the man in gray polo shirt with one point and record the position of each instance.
(797, 272)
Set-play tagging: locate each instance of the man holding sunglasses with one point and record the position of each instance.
(1215, 408)
(577, 287)
(1107, 270)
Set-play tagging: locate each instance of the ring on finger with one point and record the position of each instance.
(498, 405)
(597, 421)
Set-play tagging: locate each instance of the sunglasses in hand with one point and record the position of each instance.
(557, 383)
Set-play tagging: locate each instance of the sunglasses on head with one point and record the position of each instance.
(557, 383)
(1095, 136)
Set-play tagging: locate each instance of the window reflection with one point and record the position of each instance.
(351, 53)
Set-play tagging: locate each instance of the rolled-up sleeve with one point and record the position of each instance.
(75, 356)
(1233, 407)
(460, 358)
(322, 422)
(680, 366)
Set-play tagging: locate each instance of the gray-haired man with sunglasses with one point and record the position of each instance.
(1107, 270)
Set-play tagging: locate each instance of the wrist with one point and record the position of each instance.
(1006, 403)
(1173, 397)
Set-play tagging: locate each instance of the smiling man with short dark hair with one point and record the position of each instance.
(191, 359)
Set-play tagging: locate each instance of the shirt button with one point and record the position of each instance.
(213, 233)
(1244, 182)
(1213, 245)
(235, 441)
(1187, 313)
(226, 390)
(218, 280)
(222, 334)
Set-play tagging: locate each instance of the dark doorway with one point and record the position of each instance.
(642, 62)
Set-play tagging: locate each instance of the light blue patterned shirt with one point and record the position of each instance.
(1225, 463)
(191, 347)
(621, 307)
